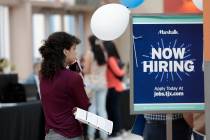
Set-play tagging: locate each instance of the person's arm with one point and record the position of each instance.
(87, 62)
(112, 64)
(78, 93)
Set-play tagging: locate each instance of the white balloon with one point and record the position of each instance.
(110, 21)
(198, 4)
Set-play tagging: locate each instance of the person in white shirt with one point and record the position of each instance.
(95, 79)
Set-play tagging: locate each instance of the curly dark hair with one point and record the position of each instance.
(52, 52)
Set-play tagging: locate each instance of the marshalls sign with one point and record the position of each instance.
(167, 64)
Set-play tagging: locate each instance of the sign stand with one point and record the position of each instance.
(166, 60)
(169, 129)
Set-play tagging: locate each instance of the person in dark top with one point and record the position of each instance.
(61, 89)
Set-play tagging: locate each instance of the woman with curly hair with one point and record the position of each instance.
(61, 89)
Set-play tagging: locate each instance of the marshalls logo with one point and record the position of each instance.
(168, 32)
(169, 62)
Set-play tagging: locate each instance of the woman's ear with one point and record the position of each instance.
(65, 51)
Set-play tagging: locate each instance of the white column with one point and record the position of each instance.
(87, 30)
(21, 38)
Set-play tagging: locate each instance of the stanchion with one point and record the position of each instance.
(169, 127)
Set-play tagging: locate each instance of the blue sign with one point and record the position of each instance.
(167, 57)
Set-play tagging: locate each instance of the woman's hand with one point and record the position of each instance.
(74, 110)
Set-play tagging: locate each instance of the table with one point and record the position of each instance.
(21, 121)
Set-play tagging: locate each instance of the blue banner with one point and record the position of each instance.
(167, 70)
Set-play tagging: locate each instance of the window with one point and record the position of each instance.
(55, 23)
(69, 24)
(38, 34)
(44, 24)
(81, 49)
(4, 32)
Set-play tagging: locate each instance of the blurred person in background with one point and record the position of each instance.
(95, 76)
(155, 127)
(196, 120)
(61, 89)
(114, 74)
(33, 78)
